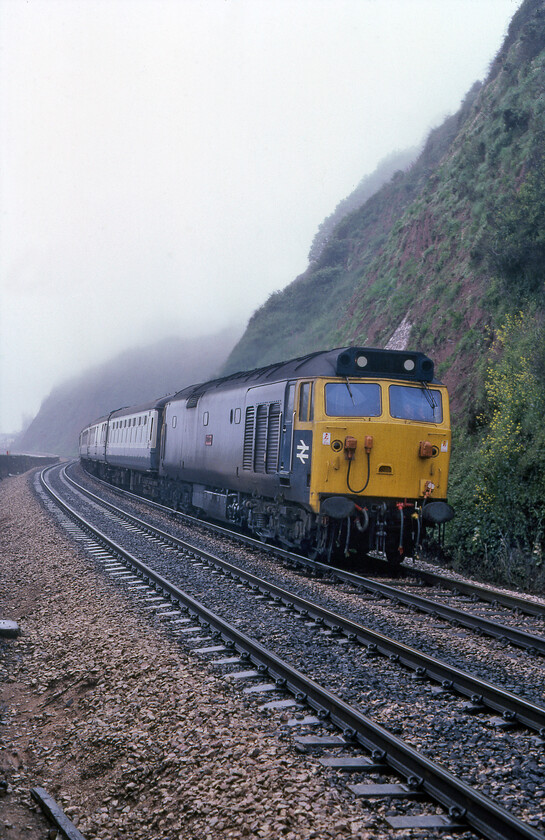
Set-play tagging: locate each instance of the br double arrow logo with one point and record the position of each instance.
(303, 451)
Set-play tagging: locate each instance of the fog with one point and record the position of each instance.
(165, 164)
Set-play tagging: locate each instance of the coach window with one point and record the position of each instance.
(205, 418)
(305, 402)
(174, 422)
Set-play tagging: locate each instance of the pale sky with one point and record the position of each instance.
(165, 164)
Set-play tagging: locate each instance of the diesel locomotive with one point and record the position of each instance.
(339, 453)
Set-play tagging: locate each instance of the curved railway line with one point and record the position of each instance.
(450, 679)
(533, 642)
(463, 804)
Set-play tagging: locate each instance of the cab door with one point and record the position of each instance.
(286, 433)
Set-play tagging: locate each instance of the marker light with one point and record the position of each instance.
(426, 449)
(350, 444)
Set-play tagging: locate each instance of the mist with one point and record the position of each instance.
(166, 164)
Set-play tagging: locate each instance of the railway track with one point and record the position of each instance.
(464, 805)
(481, 693)
(531, 641)
(476, 592)
(519, 604)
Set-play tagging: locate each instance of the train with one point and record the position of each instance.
(340, 453)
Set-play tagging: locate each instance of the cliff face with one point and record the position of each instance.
(422, 251)
(136, 376)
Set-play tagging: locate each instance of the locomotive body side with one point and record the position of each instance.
(226, 452)
(228, 438)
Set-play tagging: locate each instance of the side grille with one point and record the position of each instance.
(248, 452)
(260, 451)
(273, 438)
(262, 438)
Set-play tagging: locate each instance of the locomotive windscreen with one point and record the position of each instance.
(365, 361)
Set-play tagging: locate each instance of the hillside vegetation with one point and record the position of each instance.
(367, 187)
(429, 246)
(454, 248)
(312, 312)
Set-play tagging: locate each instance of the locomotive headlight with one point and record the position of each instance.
(409, 365)
(361, 361)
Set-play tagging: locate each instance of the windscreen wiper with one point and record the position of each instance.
(350, 391)
(429, 396)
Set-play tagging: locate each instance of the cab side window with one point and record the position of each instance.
(306, 410)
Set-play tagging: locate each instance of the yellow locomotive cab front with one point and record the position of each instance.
(381, 455)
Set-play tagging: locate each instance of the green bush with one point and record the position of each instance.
(498, 475)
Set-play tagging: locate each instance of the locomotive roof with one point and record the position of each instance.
(343, 361)
(351, 362)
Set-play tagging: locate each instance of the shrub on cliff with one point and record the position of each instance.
(498, 483)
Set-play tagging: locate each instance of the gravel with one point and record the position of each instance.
(136, 737)
(127, 730)
(499, 762)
